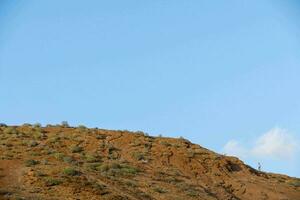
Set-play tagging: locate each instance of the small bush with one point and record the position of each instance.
(65, 124)
(68, 159)
(131, 183)
(70, 172)
(59, 156)
(94, 166)
(142, 133)
(54, 139)
(100, 136)
(111, 148)
(165, 143)
(37, 134)
(10, 130)
(39, 174)
(295, 183)
(36, 154)
(129, 170)
(30, 163)
(138, 156)
(37, 125)
(26, 124)
(3, 125)
(32, 143)
(52, 181)
(76, 149)
(114, 169)
(82, 127)
(159, 190)
(99, 188)
(91, 159)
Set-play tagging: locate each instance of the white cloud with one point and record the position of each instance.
(234, 148)
(277, 144)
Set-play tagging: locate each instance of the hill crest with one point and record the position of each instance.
(62, 162)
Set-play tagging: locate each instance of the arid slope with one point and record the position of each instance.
(60, 162)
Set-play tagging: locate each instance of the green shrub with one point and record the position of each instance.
(37, 134)
(67, 159)
(10, 130)
(29, 163)
(99, 188)
(32, 143)
(100, 137)
(94, 166)
(295, 183)
(52, 181)
(192, 193)
(91, 159)
(59, 156)
(165, 143)
(70, 172)
(138, 156)
(39, 174)
(3, 125)
(54, 139)
(36, 154)
(37, 125)
(131, 183)
(129, 170)
(76, 149)
(111, 148)
(82, 127)
(159, 190)
(118, 169)
(26, 124)
(65, 124)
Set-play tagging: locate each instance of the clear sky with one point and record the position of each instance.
(224, 74)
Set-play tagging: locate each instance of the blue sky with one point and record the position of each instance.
(224, 74)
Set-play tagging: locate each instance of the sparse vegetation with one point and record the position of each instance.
(76, 149)
(10, 130)
(65, 124)
(30, 163)
(295, 182)
(3, 125)
(70, 172)
(37, 125)
(82, 127)
(59, 156)
(63, 162)
(32, 143)
(52, 181)
(138, 156)
(165, 143)
(91, 159)
(67, 159)
(159, 190)
(115, 169)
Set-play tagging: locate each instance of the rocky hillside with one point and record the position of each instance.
(62, 162)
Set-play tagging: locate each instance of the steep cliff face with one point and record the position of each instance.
(60, 162)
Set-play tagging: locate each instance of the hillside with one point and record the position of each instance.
(61, 162)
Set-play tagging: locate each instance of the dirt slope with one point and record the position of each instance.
(60, 162)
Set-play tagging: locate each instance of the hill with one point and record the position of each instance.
(62, 162)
